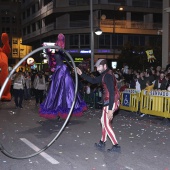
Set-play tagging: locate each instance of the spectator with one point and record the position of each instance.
(154, 73)
(18, 87)
(133, 82)
(149, 76)
(124, 86)
(167, 68)
(27, 87)
(39, 86)
(161, 82)
(158, 68)
(129, 76)
(142, 80)
(12, 83)
(167, 77)
(149, 86)
(33, 75)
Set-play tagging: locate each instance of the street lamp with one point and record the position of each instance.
(98, 31)
(92, 36)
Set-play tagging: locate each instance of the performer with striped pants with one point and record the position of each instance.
(107, 79)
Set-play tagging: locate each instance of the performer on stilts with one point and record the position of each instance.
(61, 92)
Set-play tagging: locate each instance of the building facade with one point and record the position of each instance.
(10, 22)
(140, 23)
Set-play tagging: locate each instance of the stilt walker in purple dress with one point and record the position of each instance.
(61, 93)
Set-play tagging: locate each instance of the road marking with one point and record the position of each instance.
(43, 154)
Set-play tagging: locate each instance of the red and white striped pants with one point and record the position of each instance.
(107, 129)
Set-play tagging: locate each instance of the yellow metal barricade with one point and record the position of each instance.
(155, 103)
(130, 100)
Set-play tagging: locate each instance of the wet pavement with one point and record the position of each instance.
(144, 141)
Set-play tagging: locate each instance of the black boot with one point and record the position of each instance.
(115, 148)
(100, 145)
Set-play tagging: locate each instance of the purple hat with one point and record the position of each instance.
(61, 40)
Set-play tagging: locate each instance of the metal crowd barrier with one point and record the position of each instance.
(155, 103)
(93, 100)
(129, 100)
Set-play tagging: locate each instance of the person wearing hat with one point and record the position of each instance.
(108, 81)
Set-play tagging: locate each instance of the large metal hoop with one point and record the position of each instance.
(2, 149)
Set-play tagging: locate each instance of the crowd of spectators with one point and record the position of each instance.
(29, 85)
(35, 84)
(149, 79)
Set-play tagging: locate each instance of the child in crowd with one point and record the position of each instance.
(149, 86)
(124, 86)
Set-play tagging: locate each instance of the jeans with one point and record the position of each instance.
(39, 96)
(18, 97)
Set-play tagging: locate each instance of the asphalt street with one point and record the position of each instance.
(144, 141)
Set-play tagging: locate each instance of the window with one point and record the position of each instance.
(117, 40)
(137, 16)
(39, 24)
(157, 18)
(6, 29)
(72, 2)
(28, 12)
(137, 40)
(23, 15)
(3, 29)
(4, 11)
(33, 27)
(74, 41)
(156, 4)
(142, 40)
(104, 41)
(28, 30)
(13, 19)
(143, 3)
(5, 19)
(14, 31)
(118, 2)
(24, 31)
(46, 2)
(33, 9)
(85, 41)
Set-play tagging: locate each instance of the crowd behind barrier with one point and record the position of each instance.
(144, 92)
(156, 103)
(147, 92)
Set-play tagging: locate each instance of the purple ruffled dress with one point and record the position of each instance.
(61, 94)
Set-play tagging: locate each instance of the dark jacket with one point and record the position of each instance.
(163, 84)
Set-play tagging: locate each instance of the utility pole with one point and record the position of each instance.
(92, 36)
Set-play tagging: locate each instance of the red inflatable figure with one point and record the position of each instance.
(4, 53)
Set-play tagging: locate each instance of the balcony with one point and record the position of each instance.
(107, 26)
(129, 27)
